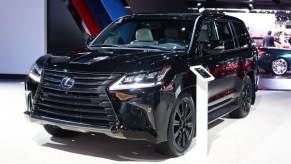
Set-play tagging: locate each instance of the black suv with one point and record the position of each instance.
(134, 82)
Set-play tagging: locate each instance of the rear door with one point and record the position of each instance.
(244, 51)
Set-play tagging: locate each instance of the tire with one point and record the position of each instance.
(59, 133)
(181, 127)
(279, 66)
(244, 100)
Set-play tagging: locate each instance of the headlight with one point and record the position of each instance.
(142, 80)
(35, 72)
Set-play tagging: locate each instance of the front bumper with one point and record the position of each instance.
(144, 117)
(73, 126)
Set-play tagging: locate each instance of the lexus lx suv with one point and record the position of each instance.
(133, 80)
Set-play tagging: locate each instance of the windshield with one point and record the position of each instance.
(168, 34)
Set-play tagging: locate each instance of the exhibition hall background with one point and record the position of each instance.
(32, 28)
(35, 27)
(22, 34)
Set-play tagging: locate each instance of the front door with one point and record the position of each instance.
(222, 63)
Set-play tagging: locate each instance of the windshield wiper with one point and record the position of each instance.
(133, 46)
(150, 47)
(105, 45)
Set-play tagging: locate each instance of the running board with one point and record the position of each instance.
(221, 112)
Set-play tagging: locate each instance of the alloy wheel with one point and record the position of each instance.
(183, 124)
(279, 66)
(246, 98)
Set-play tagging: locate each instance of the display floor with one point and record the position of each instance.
(262, 137)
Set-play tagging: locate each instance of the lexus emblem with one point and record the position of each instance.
(67, 82)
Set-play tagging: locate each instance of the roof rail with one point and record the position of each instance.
(178, 14)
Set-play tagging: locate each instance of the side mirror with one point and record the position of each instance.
(214, 47)
(88, 39)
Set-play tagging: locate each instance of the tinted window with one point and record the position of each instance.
(168, 33)
(208, 32)
(225, 35)
(242, 34)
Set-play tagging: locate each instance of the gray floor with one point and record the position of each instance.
(263, 137)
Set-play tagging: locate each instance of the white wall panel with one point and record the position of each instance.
(22, 34)
(259, 23)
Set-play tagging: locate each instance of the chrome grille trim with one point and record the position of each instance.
(86, 102)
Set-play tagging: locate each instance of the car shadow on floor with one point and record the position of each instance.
(100, 145)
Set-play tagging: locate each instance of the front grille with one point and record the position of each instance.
(86, 102)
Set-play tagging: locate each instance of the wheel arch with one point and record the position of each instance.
(168, 145)
(181, 81)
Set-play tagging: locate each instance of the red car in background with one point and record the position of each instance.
(258, 40)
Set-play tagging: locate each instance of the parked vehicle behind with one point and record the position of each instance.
(276, 60)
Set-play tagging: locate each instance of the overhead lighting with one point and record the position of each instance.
(201, 10)
(200, 7)
(250, 7)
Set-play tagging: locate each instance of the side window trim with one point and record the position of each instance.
(234, 35)
(216, 31)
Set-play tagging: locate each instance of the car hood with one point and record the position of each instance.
(112, 60)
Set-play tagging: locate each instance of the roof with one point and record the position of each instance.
(181, 16)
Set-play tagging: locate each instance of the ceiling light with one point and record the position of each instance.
(200, 7)
(250, 6)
